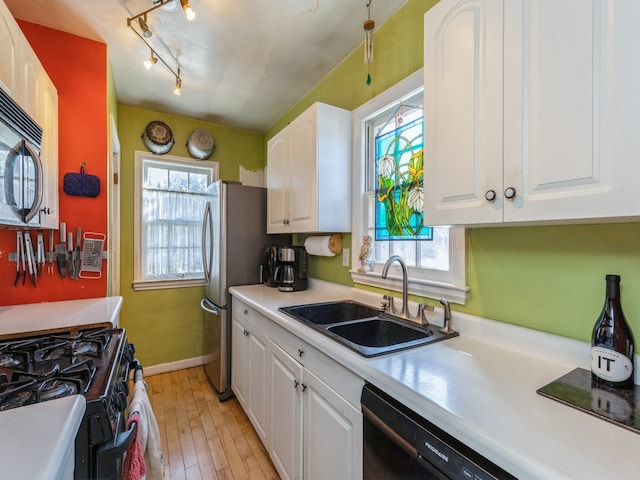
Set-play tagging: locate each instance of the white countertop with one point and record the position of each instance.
(37, 440)
(35, 317)
(481, 388)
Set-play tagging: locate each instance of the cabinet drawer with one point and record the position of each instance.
(342, 380)
(250, 318)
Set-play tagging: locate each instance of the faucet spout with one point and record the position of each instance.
(405, 281)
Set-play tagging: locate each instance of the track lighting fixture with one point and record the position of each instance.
(151, 61)
(142, 21)
(145, 33)
(188, 11)
(178, 88)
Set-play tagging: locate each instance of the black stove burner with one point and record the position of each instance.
(51, 366)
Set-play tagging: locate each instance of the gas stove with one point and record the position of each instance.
(93, 362)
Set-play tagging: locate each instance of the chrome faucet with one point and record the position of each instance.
(405, 286)
(446, 325)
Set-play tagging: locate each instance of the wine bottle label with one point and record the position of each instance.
(610, 365)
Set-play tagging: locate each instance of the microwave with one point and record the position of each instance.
(21, 173)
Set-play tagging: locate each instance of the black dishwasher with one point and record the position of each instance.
(400, 444)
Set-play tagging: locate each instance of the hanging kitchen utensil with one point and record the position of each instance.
(31, 259)
(40, 254)
(157, 137)
(77, 255)
(61, 251)
(91, 263)
(20, 273)
(200, 144)
(71, 264)
(81, 184)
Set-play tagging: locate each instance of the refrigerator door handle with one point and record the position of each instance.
(209, 307)
(207, 258)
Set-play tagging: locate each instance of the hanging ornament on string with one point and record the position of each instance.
(368, 26)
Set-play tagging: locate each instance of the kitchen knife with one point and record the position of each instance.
(61, 251)
(70, 251)
(51, 253)
(78, 240)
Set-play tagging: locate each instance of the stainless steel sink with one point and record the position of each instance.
(362, 328)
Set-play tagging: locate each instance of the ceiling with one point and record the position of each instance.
(243, 63)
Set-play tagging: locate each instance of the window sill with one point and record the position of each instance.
(142, 285)
(419, 287)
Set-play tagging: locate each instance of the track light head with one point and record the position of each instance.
(150, 62)
(188, 11)
(142, 21)
(178, 88)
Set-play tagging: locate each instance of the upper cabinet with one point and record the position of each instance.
(529, 109)
(309, 173)
(9, 51)
(27, 82)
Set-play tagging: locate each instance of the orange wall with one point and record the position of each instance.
(78, 68)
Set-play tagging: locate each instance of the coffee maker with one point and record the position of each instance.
(291, 272)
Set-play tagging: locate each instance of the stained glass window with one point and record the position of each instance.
(399, 153)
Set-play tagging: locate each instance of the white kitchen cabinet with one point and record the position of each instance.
(319, 433)
(250, 368)
(308, 404)
(9, 51)
(529, 109)
(309, 173)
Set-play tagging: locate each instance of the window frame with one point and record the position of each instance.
(139, 283)
(430, 283)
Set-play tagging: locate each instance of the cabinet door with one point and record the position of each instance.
(463, 112)
(9, 52)
(278, 153)
(239, 365)
(302, 170)
(285, 442)
(328, 416)
(48, 120)
(258, 381)
(566, 79)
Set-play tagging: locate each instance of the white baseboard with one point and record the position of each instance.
(173, 366)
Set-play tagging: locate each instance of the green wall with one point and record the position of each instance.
(548, 278)
(167, 325)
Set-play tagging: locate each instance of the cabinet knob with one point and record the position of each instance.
(304, 387)
(246, 312)
(46, 211)
(490, 196)
(246, 333)
(285, 222)
(510, 193)
(295, 383)
(300, 352)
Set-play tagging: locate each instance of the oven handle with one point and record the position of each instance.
(110, 454)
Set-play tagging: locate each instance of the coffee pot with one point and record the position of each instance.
(291, 272)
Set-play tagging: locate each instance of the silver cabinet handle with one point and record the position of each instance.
(490, 196)
(510, 193)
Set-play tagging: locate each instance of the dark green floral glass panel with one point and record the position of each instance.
(400, 181)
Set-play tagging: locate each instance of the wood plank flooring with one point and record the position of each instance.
(203, 439)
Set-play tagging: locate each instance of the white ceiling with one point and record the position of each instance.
(243, 63)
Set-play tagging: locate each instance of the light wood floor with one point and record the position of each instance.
(203, 439)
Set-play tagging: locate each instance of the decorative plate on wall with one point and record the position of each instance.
(157, 137)
(200, 144)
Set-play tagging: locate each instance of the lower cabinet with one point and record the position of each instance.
(250, 368)
(307, 405)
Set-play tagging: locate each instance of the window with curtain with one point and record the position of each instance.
(170, 203)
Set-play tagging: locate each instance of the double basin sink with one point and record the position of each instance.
(367, 330)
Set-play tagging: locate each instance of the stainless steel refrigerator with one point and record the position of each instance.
(234, 235)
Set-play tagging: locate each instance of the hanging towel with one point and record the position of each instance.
(134, 465)
(148, 431)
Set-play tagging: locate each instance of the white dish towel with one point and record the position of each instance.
(148, 431)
